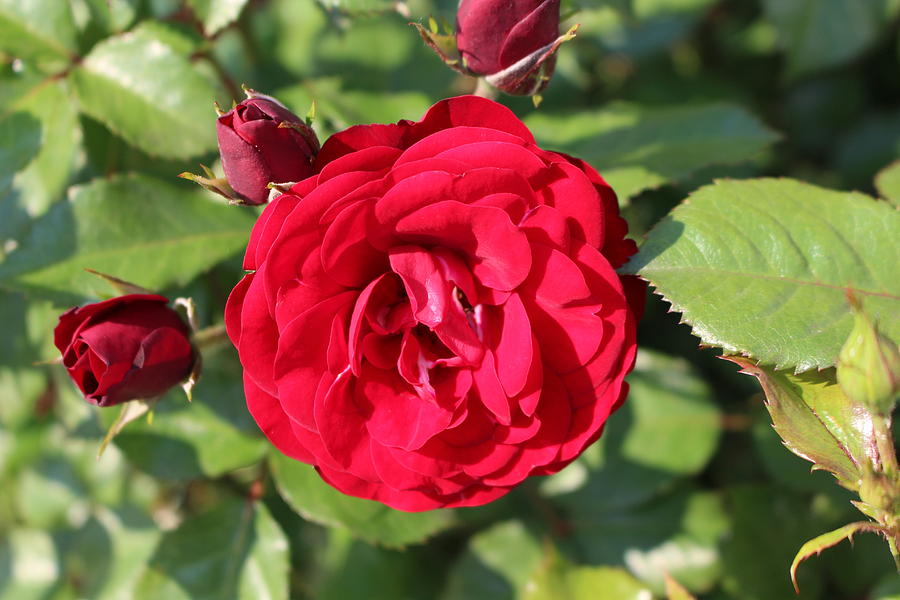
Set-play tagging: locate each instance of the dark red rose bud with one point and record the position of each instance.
(124, 348)
(261, 142)
(512, 43)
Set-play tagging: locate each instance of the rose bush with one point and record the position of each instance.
(124, 348)
(434, 316)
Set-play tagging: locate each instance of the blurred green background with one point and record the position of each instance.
(104, 102)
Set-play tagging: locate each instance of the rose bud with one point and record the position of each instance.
(512, 43)
(868, 368)
(435, 316)
(126, 348)
(262, 142)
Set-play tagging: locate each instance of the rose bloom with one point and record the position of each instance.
(124, 348)
(434, 316)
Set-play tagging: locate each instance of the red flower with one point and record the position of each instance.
(434, 316)
(511, 42)
(261, 141)
(124, 348)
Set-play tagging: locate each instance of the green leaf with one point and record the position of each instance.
(210, 436)
(110, 553)
(783, 466)
(109, 16)
(38, 31)
(43, 181)
(316, 501)
(889, 589)
(666, 430)
(768, 524)
(640, 28)
(558, 579)
(20, 141)
(827, 540)
(216, 14)
(19, 349)
(807, 30)
(676, 591)
(351, 568)
(637, 148)
(30, 565)
(677, 534)
(132, 227)
(888, 184)
(337, 108)
(358, 6)
(146, 92)
(49, 493)
(237, 550)
(816, 420)
(762, 267)
(497, 564)
(869, 145)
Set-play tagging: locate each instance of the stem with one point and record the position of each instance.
(895, 552)
(211, 337)
(884, 441)
(485, 90)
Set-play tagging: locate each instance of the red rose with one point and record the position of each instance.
(124, 348)
(434, 316)
(261, 141)
(510, 42)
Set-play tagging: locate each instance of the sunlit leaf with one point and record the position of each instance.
(20, 141)
(888, 184)
(236, 550)
(637, 148)
(762, 267)
(134, 227)
(557, 579)
(498, 562)
(816, 420)
(315, 500)
(132, 80)
(42, 183)
(41, 31)
(807, 28)
(216, 14)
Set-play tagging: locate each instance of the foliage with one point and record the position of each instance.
(756, 144)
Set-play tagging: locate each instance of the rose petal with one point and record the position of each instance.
(274, 422)
(395, 415)
(342, 426)
(267, 228)
(300, 359)
(566, 188)
(347, 256)
(499, 254)
(512, 343)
